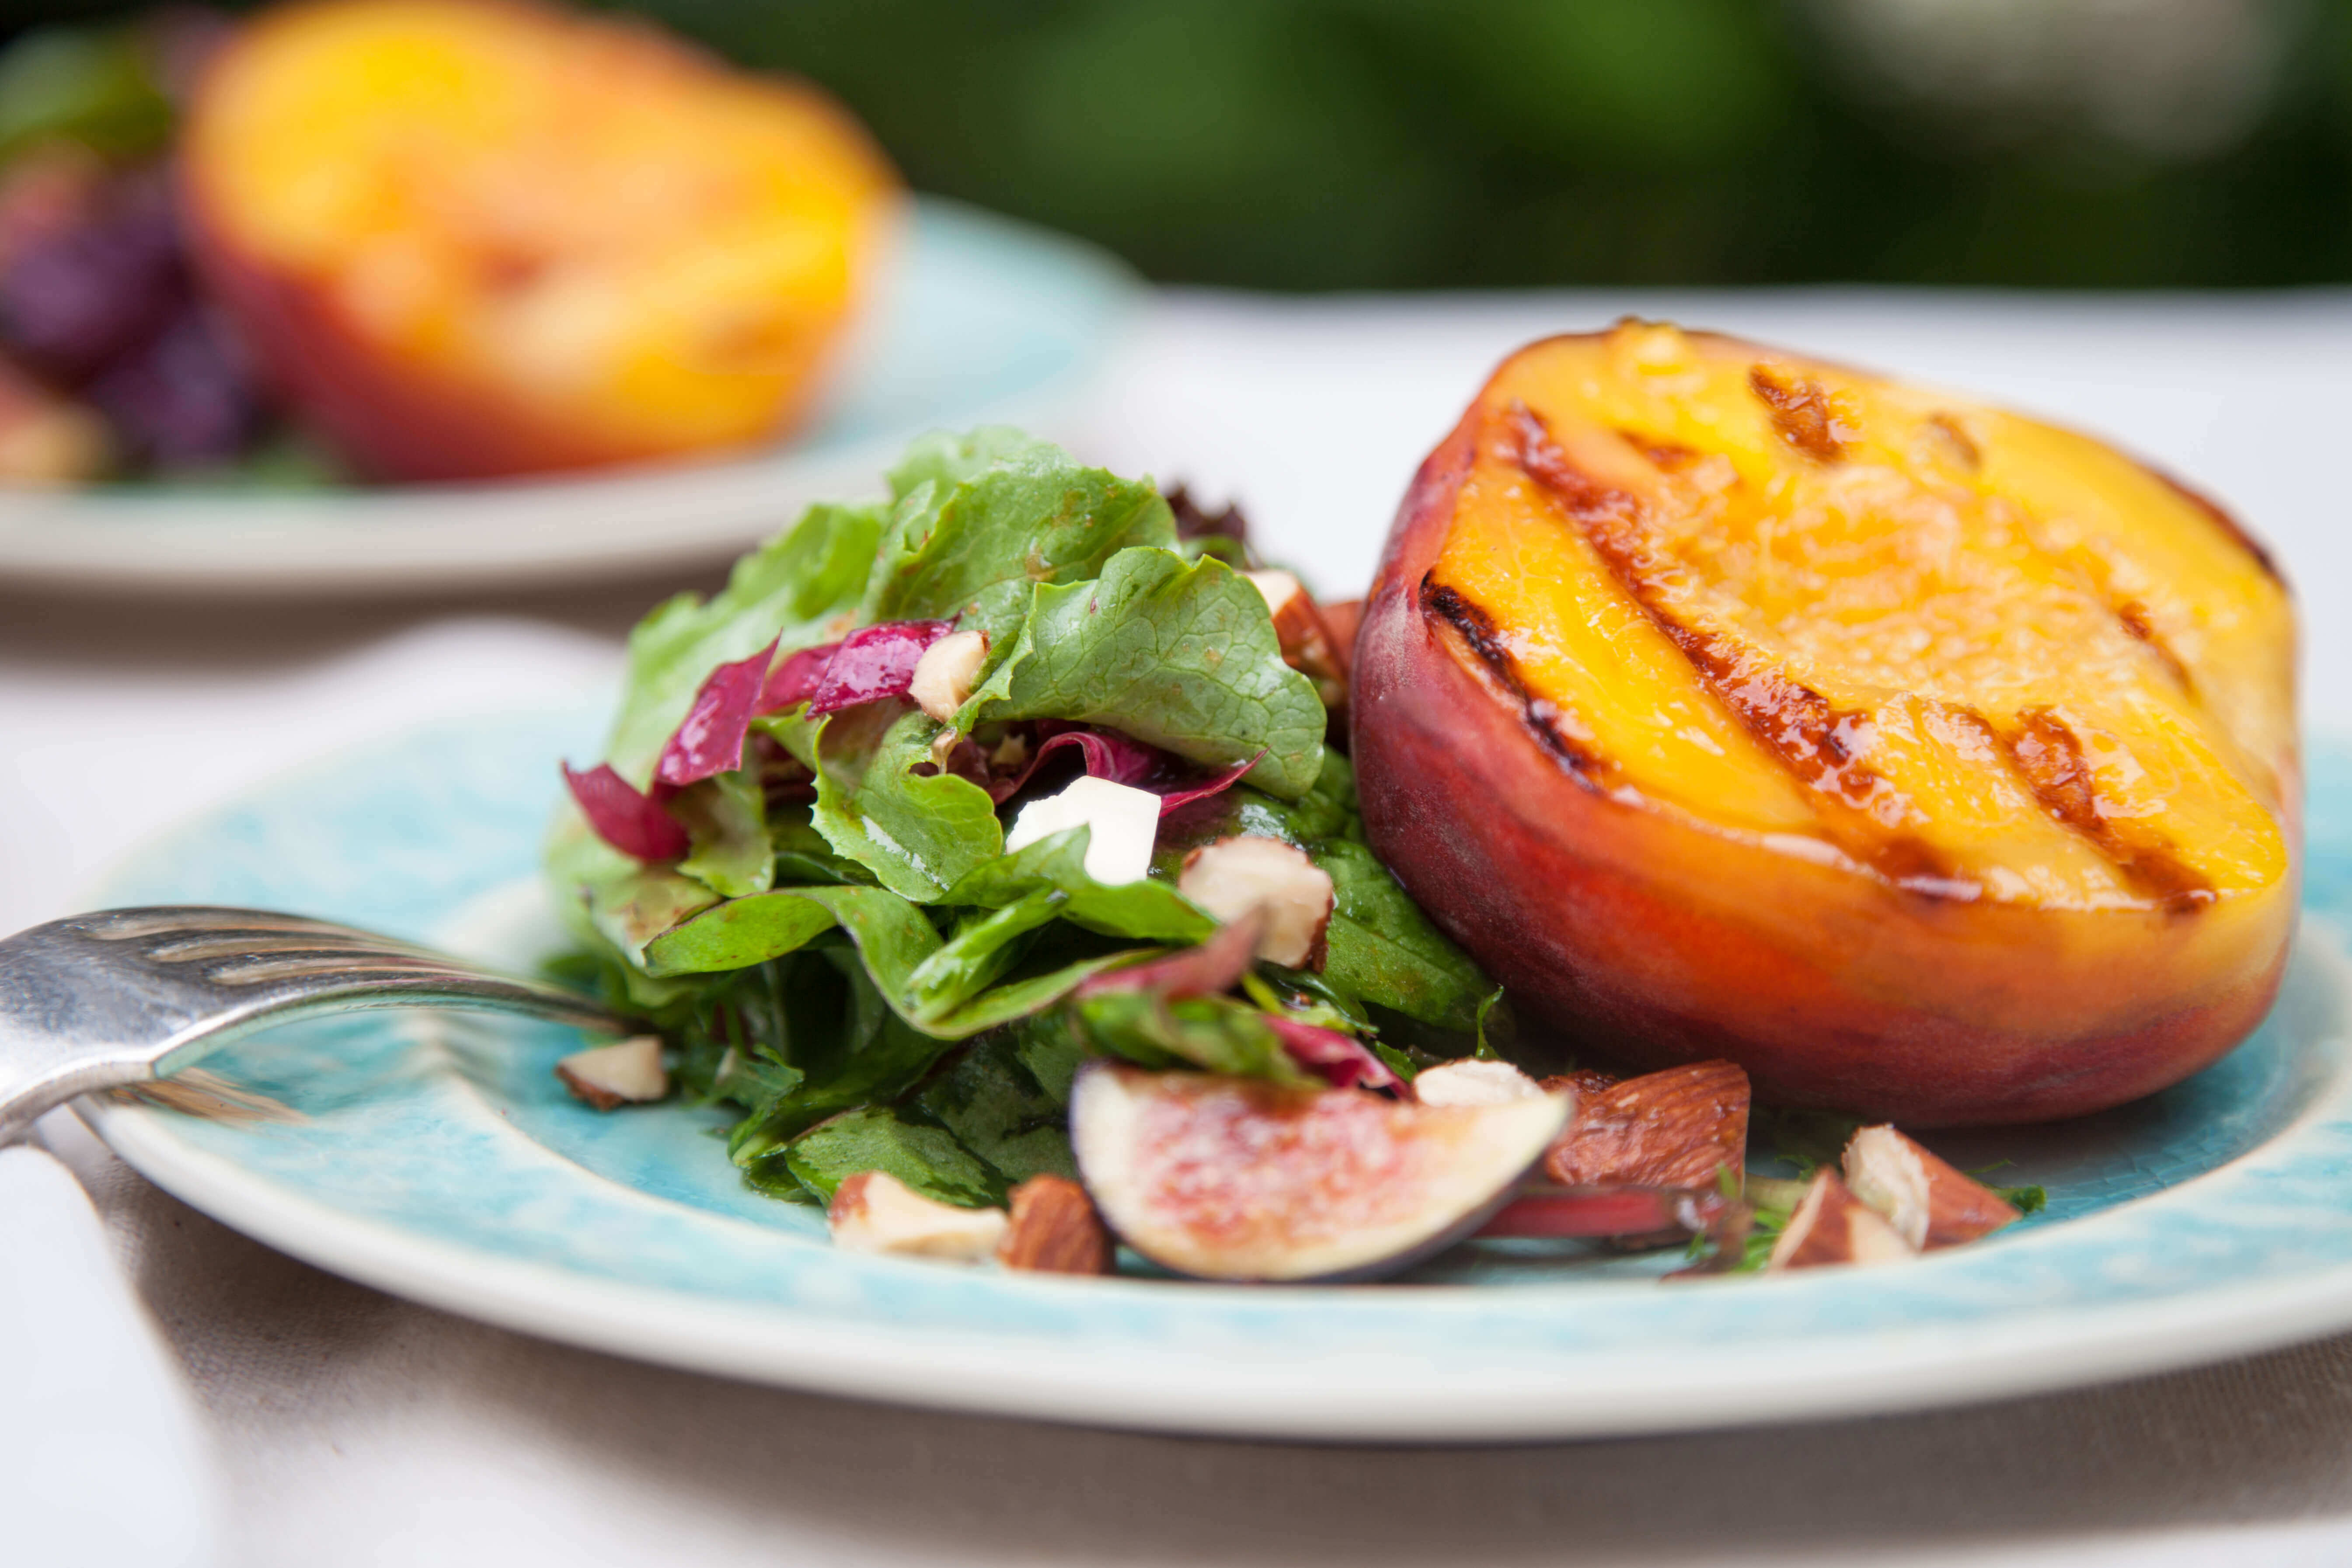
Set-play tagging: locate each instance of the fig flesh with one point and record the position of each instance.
(1237, 1178)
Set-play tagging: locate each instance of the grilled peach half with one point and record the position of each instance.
(1932, 763)
(476, 238)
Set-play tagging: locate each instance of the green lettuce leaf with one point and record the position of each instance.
(726, 822)
(800, 589)
(1181, 654)
(978, 518)
(918, 833)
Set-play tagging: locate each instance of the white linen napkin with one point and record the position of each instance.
(101, 1461)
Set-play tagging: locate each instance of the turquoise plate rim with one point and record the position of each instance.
(438, 1165)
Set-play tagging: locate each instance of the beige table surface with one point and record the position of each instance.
(354, 1428)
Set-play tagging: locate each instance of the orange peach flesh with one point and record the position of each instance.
(475, 237)
(1929, 762)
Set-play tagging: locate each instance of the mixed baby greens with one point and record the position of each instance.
(800, 879)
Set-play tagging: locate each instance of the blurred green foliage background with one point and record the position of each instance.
(1315, 144)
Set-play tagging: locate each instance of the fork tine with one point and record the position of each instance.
(230, 944)
(299, 965)
(122, 997)
(128, 925)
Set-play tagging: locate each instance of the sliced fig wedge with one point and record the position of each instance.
(1236, 1179)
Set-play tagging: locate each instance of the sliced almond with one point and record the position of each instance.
(1307, 645)
(1474, 1083)
(1833, 1225)
(1236, 875)
(874, 1211)
(1678, 1128)
(1929, 1203)
(1055, 1229)
(943, 676)
(607, 1076)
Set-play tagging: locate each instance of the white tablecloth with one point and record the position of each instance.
(350, 1427)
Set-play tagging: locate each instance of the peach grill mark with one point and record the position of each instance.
(1812, 738)
(1795, 724)
(2135, 618)
(1477, 629)
(1802, 412)
(2049, 756)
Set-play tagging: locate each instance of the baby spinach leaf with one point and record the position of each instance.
(983, 947)
(1179, 656)
(916, 834)
(928, 1159)
(792, 589)
(1210, 1033)
(978, 518)
(1149, 910)
(996, 1109)
(1017, 998)
(1381, 947)
(739, 934)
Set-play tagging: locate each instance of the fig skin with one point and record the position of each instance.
(1649, 935)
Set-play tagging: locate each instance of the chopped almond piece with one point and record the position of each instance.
(1474, 1083)
(1236, 875)
(874, 1211)
(1929, 1203)
(1833, 1225)
(608, 1076)
(1055, 1229)
(1672, 1129)
(944, 674)
(1307, 645)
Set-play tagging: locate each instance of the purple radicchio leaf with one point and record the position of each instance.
(873, 662)
(632, 822)
(1340, 1059)
(795, 681)
(1210, 969)
(1123, 760)
(710, 740)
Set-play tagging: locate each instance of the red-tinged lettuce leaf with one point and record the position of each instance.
(873, 662)
(1214, 967)
(710, 741)
(1123, 760)
(1174, 800)
(630, 820)
(795, 681)
(1341, 1061)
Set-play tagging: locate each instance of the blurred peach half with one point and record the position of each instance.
(471, 238)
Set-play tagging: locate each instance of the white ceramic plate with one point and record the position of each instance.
(442, 1161)
(983, 320)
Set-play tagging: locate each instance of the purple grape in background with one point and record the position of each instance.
(75, 301)
(183, 401)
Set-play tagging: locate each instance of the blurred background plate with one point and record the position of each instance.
(983, 320)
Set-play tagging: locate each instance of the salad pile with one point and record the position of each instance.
(936, 801)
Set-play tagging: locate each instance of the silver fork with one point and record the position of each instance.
(126, 996)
